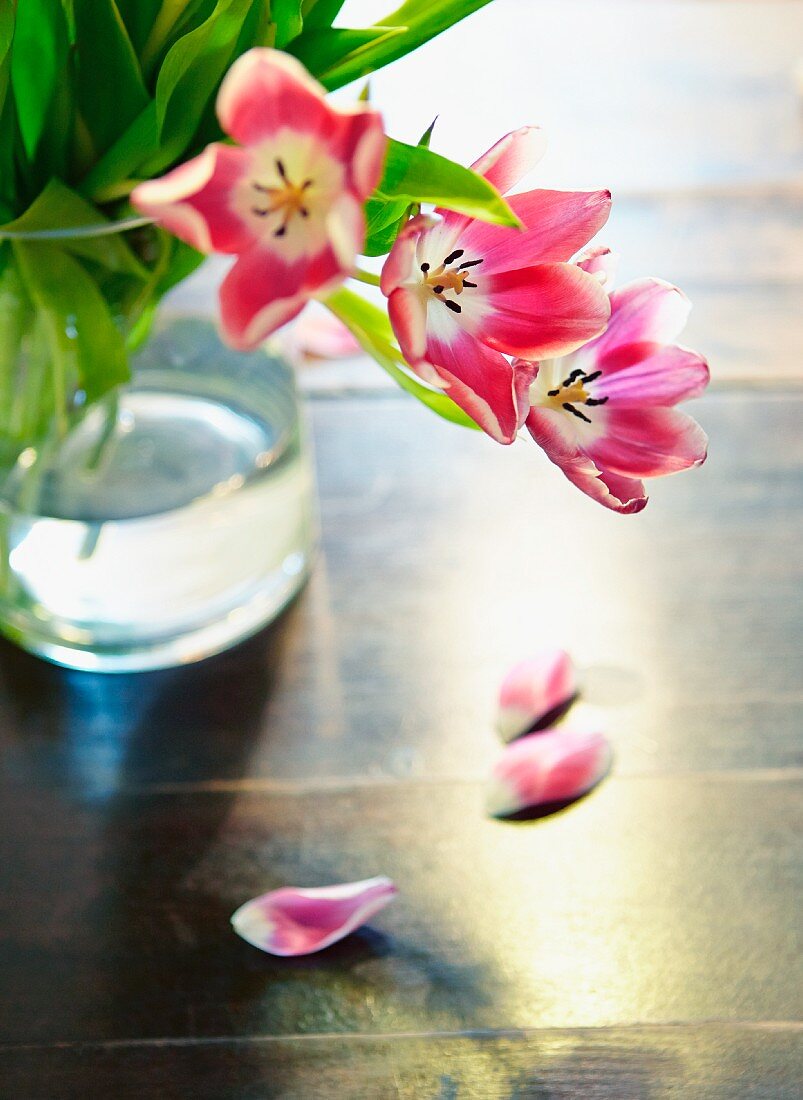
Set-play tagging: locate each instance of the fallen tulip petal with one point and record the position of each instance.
(534, 689)
(296, 921)
(556, 766)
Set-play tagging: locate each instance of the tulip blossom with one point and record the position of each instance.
(534, 689)
(295, 921)
(287, 201)
(463, 294)
(555, 766)
(606, 414)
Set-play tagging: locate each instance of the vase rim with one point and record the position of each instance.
(99, 229)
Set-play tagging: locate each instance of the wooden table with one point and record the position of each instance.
(641, 944)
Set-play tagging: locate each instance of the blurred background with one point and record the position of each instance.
(690, 111)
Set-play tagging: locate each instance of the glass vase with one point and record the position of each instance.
(163, 523)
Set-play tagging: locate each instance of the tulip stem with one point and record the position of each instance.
(365, 277)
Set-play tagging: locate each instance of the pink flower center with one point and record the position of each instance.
(445, 279)
(286, 200)
(572, 392)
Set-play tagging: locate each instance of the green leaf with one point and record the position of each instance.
(190, 77)
(110, 92)
(7, 22)
(42, 81)
(385, 218)
(416, 174)
(8, 118)
(421, 20)
(286, 16)
(319, 50)
(320, 13)
(60, 208)
(88, 349)
(371, 328)
(139, 17)
(174, 19)
(139, 141)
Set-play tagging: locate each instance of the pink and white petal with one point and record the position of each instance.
(524, 374)
(266, 91)
(400, 265)
(359, 142)
(298, 921)
(408, 318)
(621, 494)
(601, 262)
(262, 292)
(555, 766)
(512, 157)
(661, 375)
(479, 380)
(532, 689)
(345, 228)
(644, 311)
(646, 442)
(555, 434)
(542, 311)
(557, 224)
(194, 201)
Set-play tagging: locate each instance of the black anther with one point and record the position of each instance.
(575, 412)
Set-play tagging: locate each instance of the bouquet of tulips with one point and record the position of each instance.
(136, 136)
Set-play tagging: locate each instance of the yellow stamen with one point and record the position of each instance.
(575, 394)
(449, 280)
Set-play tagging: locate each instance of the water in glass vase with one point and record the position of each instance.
(170, 526)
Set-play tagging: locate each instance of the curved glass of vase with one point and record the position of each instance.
(160, 523)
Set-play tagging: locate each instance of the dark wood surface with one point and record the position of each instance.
(642, 944)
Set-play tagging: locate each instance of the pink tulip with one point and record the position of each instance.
(533, 689)
(295, 921)
(288, 201)
(463, 294)
(605, 414)
(555, 766)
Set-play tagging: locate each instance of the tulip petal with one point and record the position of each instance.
(657, 375)
(408, 317)
(644, 311)
(359, 141)
(266, 91)
(400, 264)
(542, 311)
(557, 224)
(479, 380)
(512, 157)
(298, 921)
(646, 442)
(600, 261)
(194, 201)
(624, 495)
(534, 689)
(556, 766)
(263, 292)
